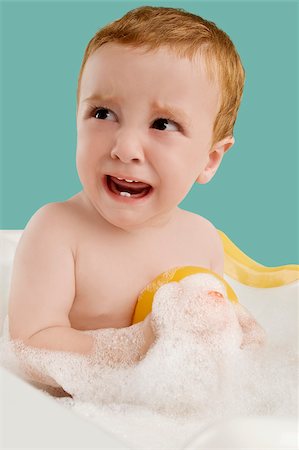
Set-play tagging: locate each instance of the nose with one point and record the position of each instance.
(127, 147)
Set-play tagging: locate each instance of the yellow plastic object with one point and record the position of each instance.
(237, 265)
(240, 267)
(145, 299)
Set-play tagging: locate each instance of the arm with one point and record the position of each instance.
(42, 287)
(65, 339)
(43, 290)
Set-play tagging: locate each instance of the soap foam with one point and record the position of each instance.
(195, 371)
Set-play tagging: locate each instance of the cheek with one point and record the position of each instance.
(178, 175)
(86, 154)
(171, 156)
(82, 166)
(186, 169)
(87, 138)
(91, 144)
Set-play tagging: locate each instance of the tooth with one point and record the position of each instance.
(120, 178)
(125, 194)
(130, 181)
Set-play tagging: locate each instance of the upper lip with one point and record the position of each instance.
(128, 177)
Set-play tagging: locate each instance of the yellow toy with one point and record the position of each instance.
(237, 265)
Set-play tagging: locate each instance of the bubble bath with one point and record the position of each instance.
(195, 372)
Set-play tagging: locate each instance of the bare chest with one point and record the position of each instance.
(110, 275)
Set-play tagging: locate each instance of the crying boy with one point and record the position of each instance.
(158, 95)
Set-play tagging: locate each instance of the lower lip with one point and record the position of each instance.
(124, 199)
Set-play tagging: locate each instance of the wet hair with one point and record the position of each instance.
(186, 35)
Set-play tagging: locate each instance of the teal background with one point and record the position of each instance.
(253, 197)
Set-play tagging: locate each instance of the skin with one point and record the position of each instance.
(128, 142)
(81, 263)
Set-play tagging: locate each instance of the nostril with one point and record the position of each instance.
(127, 150)
(125, 157)
(114, 155)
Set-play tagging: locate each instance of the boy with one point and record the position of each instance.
(158, 95)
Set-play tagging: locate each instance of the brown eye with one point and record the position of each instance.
(165, 125)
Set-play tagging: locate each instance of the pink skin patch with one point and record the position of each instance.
(217, 296)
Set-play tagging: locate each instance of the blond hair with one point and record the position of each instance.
(185, 34)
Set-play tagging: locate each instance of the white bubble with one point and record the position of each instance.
(195, 369)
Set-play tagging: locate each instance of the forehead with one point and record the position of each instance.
(117, 69)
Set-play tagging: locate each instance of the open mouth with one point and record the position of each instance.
(135, 189)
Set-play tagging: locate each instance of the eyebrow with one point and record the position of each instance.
(99, 98)
(171, 111)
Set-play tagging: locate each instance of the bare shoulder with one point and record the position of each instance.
(53, 223)
(60, 224)
(50, 216)
(212, 240)
(42, 286)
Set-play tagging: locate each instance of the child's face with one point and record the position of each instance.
(147, 117)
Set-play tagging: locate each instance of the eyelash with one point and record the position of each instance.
(94, 109)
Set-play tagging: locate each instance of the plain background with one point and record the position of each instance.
(254, 196)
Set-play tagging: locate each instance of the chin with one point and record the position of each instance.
(123, 220)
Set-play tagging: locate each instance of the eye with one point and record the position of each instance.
(165, 124)
(104, 114)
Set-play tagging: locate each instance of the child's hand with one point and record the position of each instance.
(253, 334)
(196, 305)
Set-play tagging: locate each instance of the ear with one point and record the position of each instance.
(214, 159)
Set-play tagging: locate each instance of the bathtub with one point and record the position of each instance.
(31, 419)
